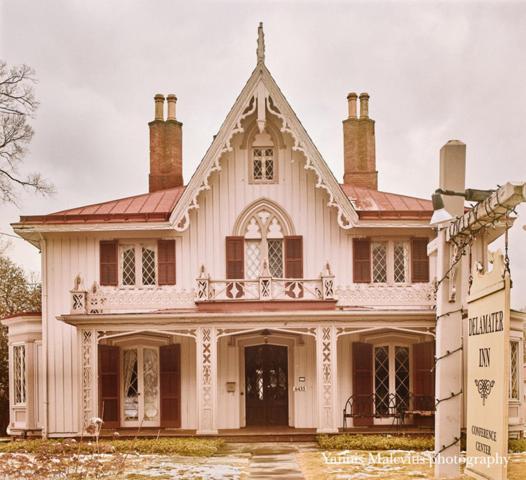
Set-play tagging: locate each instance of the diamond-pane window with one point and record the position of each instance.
(514, 371)
(402, 374)
(252, 258)
(400, 262)
(275, 258)
(128, 266)
(379, 253)
(263, 164)
(19, 364)
(381, 380)
(148, 266)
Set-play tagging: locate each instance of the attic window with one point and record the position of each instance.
(263, 162)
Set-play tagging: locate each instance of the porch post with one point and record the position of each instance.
(206, 371)
(327, 379)
(88, 352)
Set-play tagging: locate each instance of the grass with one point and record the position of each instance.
(194, 447)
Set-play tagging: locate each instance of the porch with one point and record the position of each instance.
(275, 376)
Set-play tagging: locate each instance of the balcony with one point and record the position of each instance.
(265, 289)
(97, 299)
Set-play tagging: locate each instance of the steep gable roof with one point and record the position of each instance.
(260, 93)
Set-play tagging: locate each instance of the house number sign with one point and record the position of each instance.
(488, 356)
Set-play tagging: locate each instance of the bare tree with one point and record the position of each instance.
(17, 106)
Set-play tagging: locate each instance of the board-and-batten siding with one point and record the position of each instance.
(230, 193)
(66, 257)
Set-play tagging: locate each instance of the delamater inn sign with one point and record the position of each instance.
(487, 374)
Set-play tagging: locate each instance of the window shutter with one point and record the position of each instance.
(423, 378)
(235, 257)
(166, 262)
(109, 391)
(361, 260)
(294, 257)
(419, 260)
(362, 383)
(170, 370)
(108, 262)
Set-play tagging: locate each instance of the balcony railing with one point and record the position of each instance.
(265, 288)
(128, 299)
(420, 295)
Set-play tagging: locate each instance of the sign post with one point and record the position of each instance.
(488, 359)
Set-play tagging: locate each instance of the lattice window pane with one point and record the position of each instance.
(131, 385)
(402, 374)
(128, 266)
(19, 364)
(379, 253)
(275, 258)
(401, 262)
(514, 370)
(381, 380)
(151, 384)
(252, 259)
(148, 266)
(258, 164)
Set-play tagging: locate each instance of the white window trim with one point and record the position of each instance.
(391, 350)
(390, 243)
(275, 156)
(13, 346)
(138, 246)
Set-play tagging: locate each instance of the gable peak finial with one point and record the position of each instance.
(261, 44)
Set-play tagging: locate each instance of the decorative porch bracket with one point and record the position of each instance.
(206, 351)
(326, 354)
(88, 351)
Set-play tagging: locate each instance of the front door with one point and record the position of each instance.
(266, 385)
(140, 387)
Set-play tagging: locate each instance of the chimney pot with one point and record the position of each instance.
(172, 99)
(159, 106)
(364, 105)
(351, 100)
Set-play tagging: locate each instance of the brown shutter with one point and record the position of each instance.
(362, 383)
(109, 391)
(361, 260)
(419, 260)
(108, 262)
(166, 262)
(423, 379)
(235, 257)
(170, 368)
(294, 257)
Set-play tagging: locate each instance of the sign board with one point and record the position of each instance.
(488, 365)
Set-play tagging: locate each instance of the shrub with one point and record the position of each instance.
(375, 442)
(168, 446)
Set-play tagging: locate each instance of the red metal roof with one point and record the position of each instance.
(157, 207)
(148, 207)
(372, 204)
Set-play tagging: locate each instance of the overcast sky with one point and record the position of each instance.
(435, 71)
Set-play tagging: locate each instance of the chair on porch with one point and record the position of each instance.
(392, 406)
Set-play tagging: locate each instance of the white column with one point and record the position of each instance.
(326, 358)
(448, 371)
(206, 371)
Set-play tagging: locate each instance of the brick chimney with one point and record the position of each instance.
(359, 145)
(166, 146)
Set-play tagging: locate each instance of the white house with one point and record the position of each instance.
(263, 292)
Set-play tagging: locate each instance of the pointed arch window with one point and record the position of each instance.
(264, 245)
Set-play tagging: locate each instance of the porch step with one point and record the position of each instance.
(274, 465)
